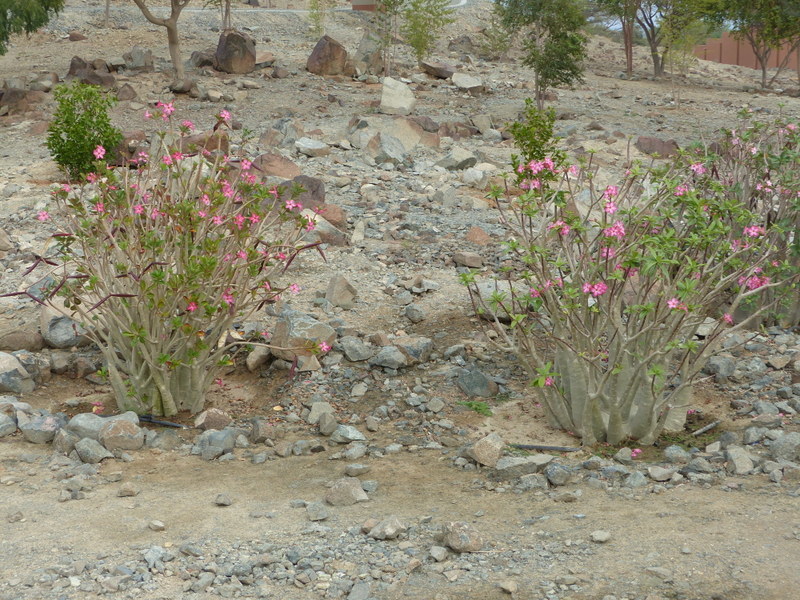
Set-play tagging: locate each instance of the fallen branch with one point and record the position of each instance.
(545, 448)
(708, 427)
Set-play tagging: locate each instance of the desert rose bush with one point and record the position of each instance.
(159, 261)
(617, 298)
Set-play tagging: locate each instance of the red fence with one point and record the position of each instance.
(730, 51)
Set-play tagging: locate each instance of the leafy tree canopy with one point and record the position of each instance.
(24, 16)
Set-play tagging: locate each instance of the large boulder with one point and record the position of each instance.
(295, 331)
(13, 376)
(139, 59)
(236, 52)
(328, 57)
(396, 98)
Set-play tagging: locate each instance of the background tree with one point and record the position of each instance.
(422, 21)
(766, 25)
(171, 25)
(554, 43)
(625, 11)
(25, 16)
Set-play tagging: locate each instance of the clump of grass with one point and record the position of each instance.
(478, 406)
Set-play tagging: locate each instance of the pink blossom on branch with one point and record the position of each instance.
(99, 152)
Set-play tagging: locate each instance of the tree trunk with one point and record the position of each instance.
(174, 42)
(627, 37)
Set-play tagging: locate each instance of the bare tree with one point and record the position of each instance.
(171, 25)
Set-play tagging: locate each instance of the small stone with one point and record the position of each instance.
(468, 259)
(460, 537)
(356, 469)
(738, 460)
(91, 451)
(438, 553)
(344, 434)
(223, 500)
(600, 536)
(414, 313)
(676, 455)
(327, 423)
(213, 418)
(488, 450)
(558, 474)
(40, 430)
(388, 529)
(509, 586)
(127, 489)
(341, 292)
(121, 434)
(657, 473)
(476, 383)
(317, 511)
(157, 525)
(346, 492)
(317, 410)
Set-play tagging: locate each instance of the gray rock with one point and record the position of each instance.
(346, 492)
(753, 435)
(223, 500)
(385, 148)
(88, 425)
(657, 473)
(341, 292)
(600, 536)
(488, 450)
(533, 481)
(414, 313)
(558, 474)
(311, 147)
(296, 330)
(417, 349)
(738, 460)
(354, 349)
(127, 490)
(213, 444)
(390, 357)
(327, 423)
(64, 441)
(762, 407)
(460, 537)
(635, 480)
(721, 366)
(356, 469)
(344, 434)
(457, 159)
(8, 424)
(435, 405)
(468, 83)
(317, 410)
(40, 430)
(91, 451)
(317, 511)
(121, 434)
(786, 447)
(139, 59)
(676, 455)
(476, 383)
(59, 331)
(396, 98)
(359, 591)
(438, 553)
(388, 529)
(13, 376)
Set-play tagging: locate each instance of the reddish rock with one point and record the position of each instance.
(120, 434)
(270, 164)
(478, 236)
(328, 57)
(236, 52)
(335, 215)
(656, 146)
(208, 140)
(76, 36)
(213, 418)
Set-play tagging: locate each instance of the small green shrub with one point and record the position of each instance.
(81, 124)
(423, 20)
(534, 136)
(478, 406)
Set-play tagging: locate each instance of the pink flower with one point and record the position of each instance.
(166, 159)
(294, 289)
(100, 207)
(241, 254)
(324, 347)
(573, 170)
(65, 188)
(239, 220)
(610, 192)
(217, 220)
(754, 231)
(534, 293)
(188, 124)
(608, 252)
(43, 215)
(225, 115)
(753, 282)
(148, 114)
(202, 214)
(311, 226)
(167, 108)
(677, 304)
(254, 218)
(92, 177)
(699, 168)
(99, 152)
(610, 207)
(617, 230)
(138, 209)
(227, 297)
(246, 164)
(191, 307)
(636, 452)
(549, 381)
(595, 289)
(681, 190)
(562, 227)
